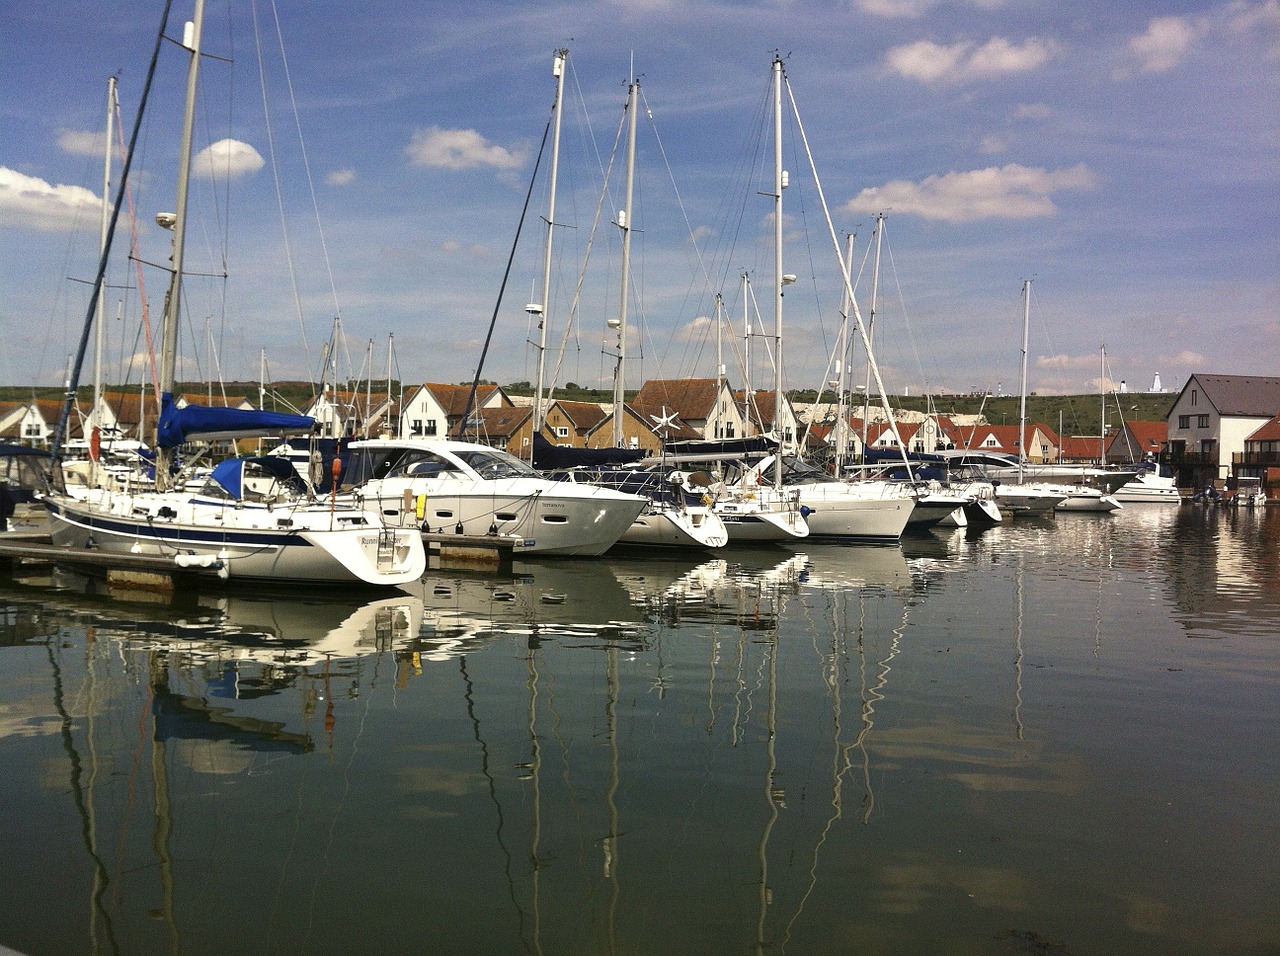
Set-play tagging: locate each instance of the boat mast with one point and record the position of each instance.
(871, 320)
(178, 223)
(779, 184)
(842, 352)
(624, 223)
(539, 402)
(1102, 392)
(100, 330)
(1022, 388)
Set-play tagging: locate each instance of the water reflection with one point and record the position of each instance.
(725, 753)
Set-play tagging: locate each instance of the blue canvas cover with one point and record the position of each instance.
(180, 425)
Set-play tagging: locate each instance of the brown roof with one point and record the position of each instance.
(1240, 396)
(1144, 437)
(584, 415)
(497, 422)
(690, 398)
(453, 398)
(1268, 432)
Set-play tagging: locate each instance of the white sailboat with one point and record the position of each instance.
(859, 509)
(238, 528)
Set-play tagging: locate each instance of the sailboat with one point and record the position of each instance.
(252, 521)
(671, 517)
(861, 509)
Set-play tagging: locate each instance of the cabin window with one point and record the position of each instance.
(444, 514)
(555, 519)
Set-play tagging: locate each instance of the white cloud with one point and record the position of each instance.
(80, 143)
(32, 203)
(1005, 192)
(341, 177)
(964, 62)
(914, 8)
(459, 149)
(1165, 43)
(227, 157)
(1032, 111)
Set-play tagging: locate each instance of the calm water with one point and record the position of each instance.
(1058, 737)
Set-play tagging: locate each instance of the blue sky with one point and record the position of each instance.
(1122, 155)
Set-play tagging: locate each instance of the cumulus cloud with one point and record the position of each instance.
(964, 62)
(227, 157)
(28, 202)
(1165, 43)
(341, 177)
(1003, 192)
(459, 149)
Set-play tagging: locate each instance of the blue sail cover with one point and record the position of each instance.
(180, 425)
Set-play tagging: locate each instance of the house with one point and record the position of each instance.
(1137, 441)
(638, 432)
(435, 411)
(569, 423)
(1082, 449)
(22, 423)
(508, 427)
(703, 408)
(760, 409)
(1210, 420)
(1261, 457)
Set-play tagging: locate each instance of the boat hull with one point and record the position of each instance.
(294, 546)
(559, 519)
(669, 527)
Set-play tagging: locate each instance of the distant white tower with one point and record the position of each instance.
(1156, 386)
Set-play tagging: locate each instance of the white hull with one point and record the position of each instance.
(1149, 488)
(762, 517)
(294, 545)
(1081, 498)
(835, 510)
(436, 485)
(669, 527)
(1027, 499)
(935, 508)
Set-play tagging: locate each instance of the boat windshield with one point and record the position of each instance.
(492, 463)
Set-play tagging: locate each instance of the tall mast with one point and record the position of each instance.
(178, 223)
(624, 223)
(1022, 388)
(100, 329)
(390, 339)
(871, 319)
(747, 402)
(842, 354)
(1102, 391)
(539, 402)
(779, 280)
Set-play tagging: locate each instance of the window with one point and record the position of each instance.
(431, 426)
(635, 441)
(1202, 421)
(416, 427)
(728, 430)
(1195, 398)
(1184, 421)
(562, 431)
